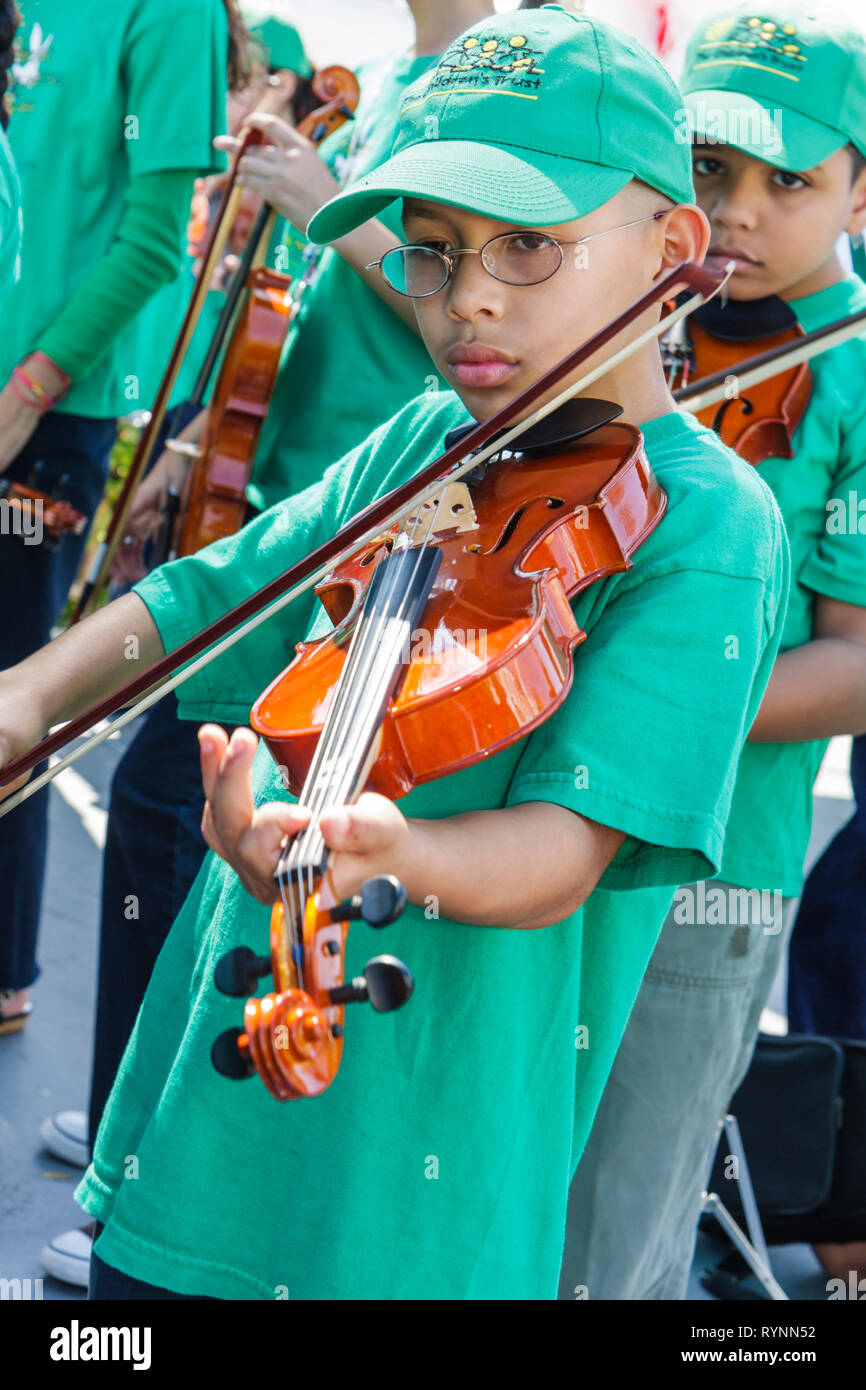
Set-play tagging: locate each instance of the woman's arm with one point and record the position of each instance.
(144, 255)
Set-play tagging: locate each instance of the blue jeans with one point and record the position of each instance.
(153, 851)
(827, 962)
(34, 581)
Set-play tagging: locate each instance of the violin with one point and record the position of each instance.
(715, 342)
(214, 502)
(541, 514)
(486, 571)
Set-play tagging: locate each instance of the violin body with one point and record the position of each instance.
(494, 657)
(215, 494)
(760, 423)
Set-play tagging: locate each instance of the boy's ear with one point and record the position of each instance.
(685, 233)
(857, 221)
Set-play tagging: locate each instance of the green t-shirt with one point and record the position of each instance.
(771, 818)
(10, 217)
(437, 1165)
(104, 92)
(349, 361)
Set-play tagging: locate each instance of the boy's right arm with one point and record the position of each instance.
(82, 666)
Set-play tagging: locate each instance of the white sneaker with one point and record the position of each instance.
(67, 1257)
(65, 1136)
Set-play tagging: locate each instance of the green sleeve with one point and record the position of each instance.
(145, 254)
(175, 59)
(666, 687)
(837, 564)
(185, 595)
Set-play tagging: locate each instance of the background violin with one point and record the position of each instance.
(55, 517)
(214, 500)
(716, 339)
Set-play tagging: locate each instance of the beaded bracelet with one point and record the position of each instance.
(43, 402)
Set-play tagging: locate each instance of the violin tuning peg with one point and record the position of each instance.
(382, 900)
(389, 983)
(386, 984)
(229, 1058)
(239, 972)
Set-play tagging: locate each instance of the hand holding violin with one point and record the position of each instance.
(368, 838)
(289, 173)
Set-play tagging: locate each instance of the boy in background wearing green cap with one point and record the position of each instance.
(437, 1164)
(776, 105)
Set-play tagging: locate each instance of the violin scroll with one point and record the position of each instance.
(293, 1038)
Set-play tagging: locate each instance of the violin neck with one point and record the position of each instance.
(371, 677)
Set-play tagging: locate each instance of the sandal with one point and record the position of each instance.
(13, 1023)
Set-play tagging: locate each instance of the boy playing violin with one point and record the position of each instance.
(777, 107)
(540, 195)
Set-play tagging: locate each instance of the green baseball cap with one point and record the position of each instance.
(787, 86)
(533, 117)
(280, 44)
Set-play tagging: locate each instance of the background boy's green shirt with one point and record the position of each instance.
(771, 817)
(10, 216)
(438, 1163)
(104, 92)
(349, 361)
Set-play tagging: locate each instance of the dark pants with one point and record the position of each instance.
(153, 851)
(106, 1282)
(827, 961)
(34, 581)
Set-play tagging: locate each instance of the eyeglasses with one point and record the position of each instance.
(516, 258)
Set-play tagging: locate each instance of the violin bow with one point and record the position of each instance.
(465, 455)
(709, 390)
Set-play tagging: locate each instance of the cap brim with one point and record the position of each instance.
(770, 132)
(486, 179)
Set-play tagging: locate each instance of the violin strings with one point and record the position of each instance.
(362, 658)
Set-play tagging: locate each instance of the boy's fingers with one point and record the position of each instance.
(231, 795)
(360, 829)
(212, 742)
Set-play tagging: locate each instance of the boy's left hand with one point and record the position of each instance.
(371, 837)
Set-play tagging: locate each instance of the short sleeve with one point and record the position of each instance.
(175, 62)
(666, 686)
(837, 564)
(185, 595)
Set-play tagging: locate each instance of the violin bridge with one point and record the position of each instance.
(450, 510)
